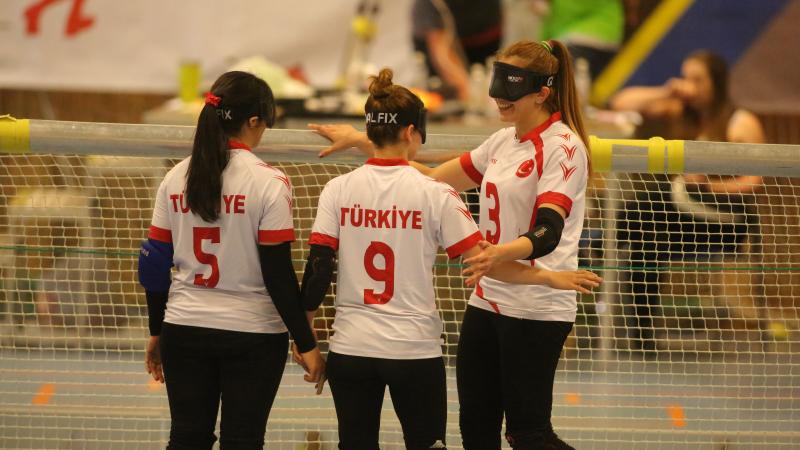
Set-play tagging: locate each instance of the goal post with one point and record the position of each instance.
(691, 341)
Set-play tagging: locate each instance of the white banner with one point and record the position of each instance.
(138, 45)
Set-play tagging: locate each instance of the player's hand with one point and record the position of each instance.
(152, 359)
(575, 280)
(480, 264)
(314, 365)
(342, 137)
(681, 88)
(297, 357)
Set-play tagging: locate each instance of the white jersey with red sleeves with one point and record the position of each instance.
(218, 282)
(388, 221)
(547, 165)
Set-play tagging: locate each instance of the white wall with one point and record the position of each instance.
(137, 45)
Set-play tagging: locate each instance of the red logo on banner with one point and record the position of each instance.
(77, 22)
(525, 168)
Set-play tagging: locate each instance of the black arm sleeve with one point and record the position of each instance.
(156, 305)
(281, 283)
(318, 276)
(546, 233)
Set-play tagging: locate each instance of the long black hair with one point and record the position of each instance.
(240, 96)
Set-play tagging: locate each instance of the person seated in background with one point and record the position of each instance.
(453, 35)
(688, 216)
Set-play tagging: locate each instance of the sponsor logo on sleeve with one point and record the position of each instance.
(568, 171)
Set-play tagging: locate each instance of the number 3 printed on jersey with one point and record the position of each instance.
(386, 275)
(494, 213)
(200, 234)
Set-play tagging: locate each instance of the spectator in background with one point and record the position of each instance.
(690, 215)
(454, 34)
(592, 29)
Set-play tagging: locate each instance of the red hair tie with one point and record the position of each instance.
(212, 99)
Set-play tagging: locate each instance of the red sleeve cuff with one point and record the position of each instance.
(469, 168)
(323, 239)
(159, 234)
(556, 198)
(273, 236)
(457, 249)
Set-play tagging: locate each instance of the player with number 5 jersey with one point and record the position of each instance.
(223, 218)
(387, 221)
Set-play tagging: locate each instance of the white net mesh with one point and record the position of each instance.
(691, 344)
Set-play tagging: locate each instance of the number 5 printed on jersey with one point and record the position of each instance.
(200, 234)
(386, 275)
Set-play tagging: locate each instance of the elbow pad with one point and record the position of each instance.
(155, 262)
(546, 233)
(317, 276)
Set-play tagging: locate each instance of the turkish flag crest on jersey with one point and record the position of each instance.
(525, 169)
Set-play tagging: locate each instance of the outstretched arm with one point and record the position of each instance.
(344, 137)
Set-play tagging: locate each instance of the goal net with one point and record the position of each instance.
(692, 342)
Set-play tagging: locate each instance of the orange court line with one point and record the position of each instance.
(44, 394)
(677, 415)
(573, 398)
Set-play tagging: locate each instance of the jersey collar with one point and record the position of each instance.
(534, 133)
(238, 144)
(387, 162)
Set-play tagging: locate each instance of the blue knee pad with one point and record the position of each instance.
(155, 263)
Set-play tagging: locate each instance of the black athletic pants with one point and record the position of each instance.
(204, 365)
(419, 395)
(507, 366)
(656, 232)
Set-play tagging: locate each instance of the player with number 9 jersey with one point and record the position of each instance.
(387, 221)
(532, 180)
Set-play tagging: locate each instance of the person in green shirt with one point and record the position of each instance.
(592, 29)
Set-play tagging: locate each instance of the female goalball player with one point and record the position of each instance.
(387, 221)
(223, 218)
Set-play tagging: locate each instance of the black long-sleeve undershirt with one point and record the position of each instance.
(281, 283)
(317, 277)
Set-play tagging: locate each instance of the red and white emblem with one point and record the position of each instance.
(525, 169)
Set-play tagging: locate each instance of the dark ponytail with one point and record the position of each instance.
(241, 96)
